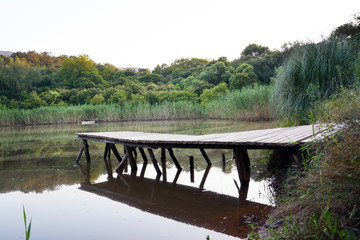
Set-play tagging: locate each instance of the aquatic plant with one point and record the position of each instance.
(27, 227)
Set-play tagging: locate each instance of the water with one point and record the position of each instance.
(68, 201)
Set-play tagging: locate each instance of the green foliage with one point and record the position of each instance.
(27, 227)
(118, 97)
(97, 99)
(244, 76)
(216, 73)
(213, 93)
(313, 72)
(254, 50)
(80, 72)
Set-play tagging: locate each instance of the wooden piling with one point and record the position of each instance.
(243, 166)
(86, 148)
(131, 158)
(191, 160)
(163, 155)
(80, 153)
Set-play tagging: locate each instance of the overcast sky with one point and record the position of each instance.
(144, 33)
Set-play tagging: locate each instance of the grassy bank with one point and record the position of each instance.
(320, 198)
(248, 104)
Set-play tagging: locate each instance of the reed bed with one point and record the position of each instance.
(249, 104)
(312, 74)
(76, 114)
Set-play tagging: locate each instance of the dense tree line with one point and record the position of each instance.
(30, 80)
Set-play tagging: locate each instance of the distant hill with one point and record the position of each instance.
(6, 53)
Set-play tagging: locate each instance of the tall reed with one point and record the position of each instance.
(314, 72)
(251, 103)
(74, 114)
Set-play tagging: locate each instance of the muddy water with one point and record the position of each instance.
(68, 201)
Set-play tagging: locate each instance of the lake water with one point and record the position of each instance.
(69, 201)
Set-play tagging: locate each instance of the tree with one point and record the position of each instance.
(213, 93)
(216, 73)
(80, 72)
(254, 50)
(97, 99)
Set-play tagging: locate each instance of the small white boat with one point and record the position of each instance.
(88, 122)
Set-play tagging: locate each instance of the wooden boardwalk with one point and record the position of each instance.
(288, 139)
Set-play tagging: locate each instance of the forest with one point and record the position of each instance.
(30, 80)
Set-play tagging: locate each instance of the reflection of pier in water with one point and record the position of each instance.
(190, 205)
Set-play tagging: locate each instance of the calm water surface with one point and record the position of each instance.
(69, 201)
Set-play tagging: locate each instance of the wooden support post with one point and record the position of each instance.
(171, 152)
(243, 166)
(122, 163)
(163, 155)
(86, 148)
(205, 156)
(176, 176)
(135, 152)
(116, 153)
(143, 155)
(80, 153)
(143, 169)
(163, 165)
(107, 149)
(154, 161)
(131, 158)
(203, 180)
(191, 160)
(223, 162)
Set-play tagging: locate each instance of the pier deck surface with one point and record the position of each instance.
(255, 139)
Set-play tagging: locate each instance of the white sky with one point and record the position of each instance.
(144, 33)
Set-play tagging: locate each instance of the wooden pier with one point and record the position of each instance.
(288, 140)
